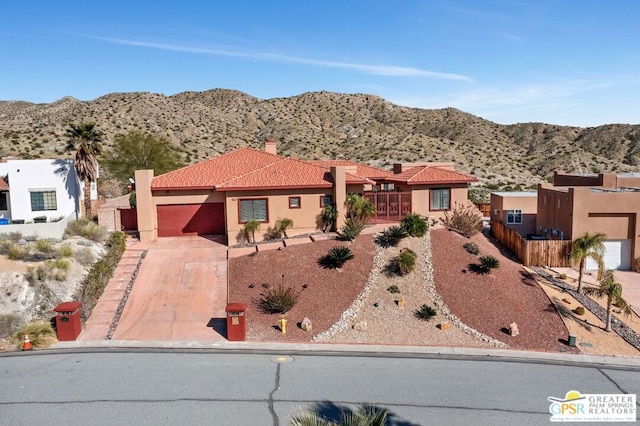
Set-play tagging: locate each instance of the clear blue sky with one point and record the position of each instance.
(556, 61)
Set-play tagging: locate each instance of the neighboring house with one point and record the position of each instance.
(515, 210)
(39, 188)
(606, 202)
(219, 195)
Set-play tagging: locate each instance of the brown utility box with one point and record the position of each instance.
(68, 324)
(236, 322)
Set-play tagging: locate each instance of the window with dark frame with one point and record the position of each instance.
(440, 199)
(326, 200)
(514, 217)
(3, 201)
(253, 209)
(43, 200)
(294, 203)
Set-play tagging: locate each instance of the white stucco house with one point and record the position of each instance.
(36, 189)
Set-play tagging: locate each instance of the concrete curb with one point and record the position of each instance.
(353, 350)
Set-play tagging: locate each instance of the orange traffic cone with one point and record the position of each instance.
(26, 346)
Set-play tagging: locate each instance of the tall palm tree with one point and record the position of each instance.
(612, 290)
(588, 246)
(85, 140)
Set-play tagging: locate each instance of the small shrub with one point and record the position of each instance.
(352, 227)
(17, 253)
(84, 256)
(9, 324)
(415, 225)
(336, 257)
(65, 251)
(5, 245)
(250, 229)
(266, 285)
(279, 300)
(472, 248)
(563, 276)
(15, 236)
(465, 219)
(44, 246)
(391, 236)
(282, 225)
(579, 310)
(489, 262)
(425, 313)
(41, 335)
(328, 217)
(86, 228)
(393, 289)
(405, 262)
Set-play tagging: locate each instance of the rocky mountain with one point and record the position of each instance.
(361, 127)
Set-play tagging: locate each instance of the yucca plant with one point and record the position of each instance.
(41, 335)
(352, 227)
(487, 263)
(415, 225)
(425, 313)
(279, 299)
(336, 257)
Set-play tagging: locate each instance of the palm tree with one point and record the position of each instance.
(365, 416)
(588, 245)
(85, 140)
(359, 207)
(613, 292)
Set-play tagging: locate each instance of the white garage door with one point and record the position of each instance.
(617, 255)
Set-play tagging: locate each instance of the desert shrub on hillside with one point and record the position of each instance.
(86, 228)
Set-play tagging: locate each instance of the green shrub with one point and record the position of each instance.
(391, 236)
(352, 227)
(336, 257)
(415, 225)
(472, 248)
(425, 313)
(405, 262)
(5, 245)
(16, 252)
(282, 225)
(563, 276)
(84, 256)
(250, 229)
(393, 289)
(9, 324)
(64, 251)
(279, 300)
(328, 217)
(86, 228)
(465, 219)
(44, 246)
(41, 335)
(487, 263)
(579, 310)
(98, 276)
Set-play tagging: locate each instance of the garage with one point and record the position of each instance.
(617, 255)
(191, 219)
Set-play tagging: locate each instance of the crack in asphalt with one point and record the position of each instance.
(276, 421)
(616, 384)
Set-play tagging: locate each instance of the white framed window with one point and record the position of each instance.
(43, 200)
(514, 217)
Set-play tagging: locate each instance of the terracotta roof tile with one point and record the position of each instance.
(430, 175)
(363, 170)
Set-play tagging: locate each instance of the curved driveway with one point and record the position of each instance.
(179, 294)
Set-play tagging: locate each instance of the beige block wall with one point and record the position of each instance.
(304, 219)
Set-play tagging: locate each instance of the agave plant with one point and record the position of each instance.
(487, 263)
(336, 257)
(425, 313)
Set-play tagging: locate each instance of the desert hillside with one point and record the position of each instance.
(328, 125)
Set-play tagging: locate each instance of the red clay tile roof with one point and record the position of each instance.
(3, 185)
(425, 175)
(247, 169)
(361, 169)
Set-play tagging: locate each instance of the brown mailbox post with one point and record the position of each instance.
(236, 324)
(68, 325)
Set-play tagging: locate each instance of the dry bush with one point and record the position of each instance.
(465, 219)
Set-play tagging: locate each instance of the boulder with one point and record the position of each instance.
(444, 325)
(306, 324)
(513, 329)
(360, 326)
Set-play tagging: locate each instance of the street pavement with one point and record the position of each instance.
(187, 387)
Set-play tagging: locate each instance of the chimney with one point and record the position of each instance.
(270, 146)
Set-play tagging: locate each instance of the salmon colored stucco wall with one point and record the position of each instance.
(304, 218)
(527, 204)
(421, 198)
(554, 212)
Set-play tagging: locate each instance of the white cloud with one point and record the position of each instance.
(375, 69)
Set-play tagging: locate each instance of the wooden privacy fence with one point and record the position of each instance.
(484, 208)
(553, 253)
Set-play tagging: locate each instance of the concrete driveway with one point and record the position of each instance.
(180, 289)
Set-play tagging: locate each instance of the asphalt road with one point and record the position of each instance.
(175, 388)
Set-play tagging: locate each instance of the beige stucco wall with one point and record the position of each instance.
(146, 208)
(527, 204)
(554, 212)
(421, 203)
(304, 219)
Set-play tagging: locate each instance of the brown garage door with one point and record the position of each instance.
(190, 219)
